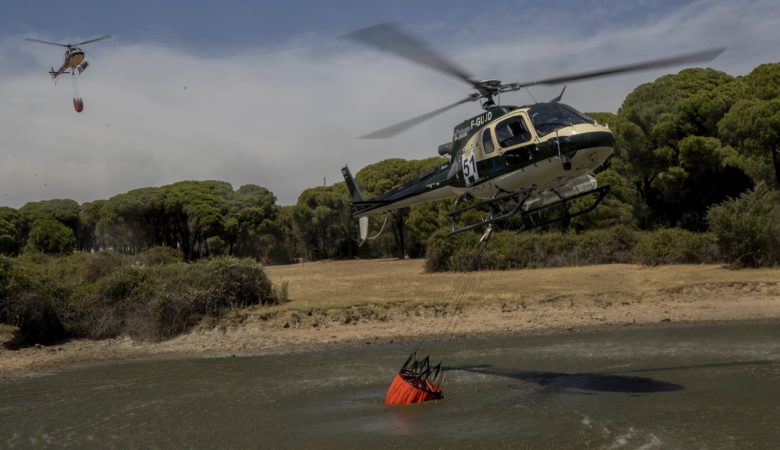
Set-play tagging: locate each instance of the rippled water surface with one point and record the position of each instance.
(715, 386)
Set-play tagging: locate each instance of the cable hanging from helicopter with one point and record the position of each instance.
(78, 102)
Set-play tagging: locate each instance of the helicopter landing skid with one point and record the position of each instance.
(504, 206)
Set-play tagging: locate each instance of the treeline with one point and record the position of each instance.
(210, 218)
(684, 143)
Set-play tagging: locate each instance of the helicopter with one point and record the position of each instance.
(526, 163)
(74, 56)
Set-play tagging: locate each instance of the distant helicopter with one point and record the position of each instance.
(528, 162)
(74, 56)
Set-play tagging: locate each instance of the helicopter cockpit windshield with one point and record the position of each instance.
(548, 117)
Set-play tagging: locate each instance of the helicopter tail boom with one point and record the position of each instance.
(354, 190)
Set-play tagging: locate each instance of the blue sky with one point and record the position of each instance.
(243, 24)
(275, 97)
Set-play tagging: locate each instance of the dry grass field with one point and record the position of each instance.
(338, 284)
(372, 301)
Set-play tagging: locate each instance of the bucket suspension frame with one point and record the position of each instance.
(505, 205)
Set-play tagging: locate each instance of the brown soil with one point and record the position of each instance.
(364, 302)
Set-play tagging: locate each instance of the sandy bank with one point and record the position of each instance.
(362, 302)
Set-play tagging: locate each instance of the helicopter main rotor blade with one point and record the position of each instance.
(390, 38)
(406, 124)
(99, 38)
(40, 41)
(700, 56)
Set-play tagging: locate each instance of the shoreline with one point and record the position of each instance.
(358, 303)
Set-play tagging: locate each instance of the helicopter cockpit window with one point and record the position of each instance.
(548, 117)
(512, 132)
(487, 141)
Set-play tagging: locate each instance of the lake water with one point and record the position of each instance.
(713, 386)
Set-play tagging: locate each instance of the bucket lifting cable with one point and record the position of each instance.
(78, 103)
(419, 380)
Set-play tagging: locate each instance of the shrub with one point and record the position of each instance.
(50, 236)
(280, 292)
(510, 250)
(101, 264)
(9, 245)
(6, 267)
(51, 298)
(747, 229)
(605, 246)
(159, 255)
(441, 249)
(675, 246)
(229, 282)
(32, 303)
(216, 246)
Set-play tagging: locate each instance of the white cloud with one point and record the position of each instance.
(286, 117)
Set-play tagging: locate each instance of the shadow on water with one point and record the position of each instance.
(594, 382)
(706, 366)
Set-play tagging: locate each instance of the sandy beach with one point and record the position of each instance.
(373, 301)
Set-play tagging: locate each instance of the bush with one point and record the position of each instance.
(510, 250)
(52, 298)
(216, 246)
(675, 246)
(159, 255)
(747, 229)
(9, 245)
(6, 267)
(101, 264)
(441, 248)
(32, 304)
(50, 236)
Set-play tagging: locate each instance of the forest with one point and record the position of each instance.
(697, 152)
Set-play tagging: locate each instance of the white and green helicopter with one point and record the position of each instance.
(511, 161)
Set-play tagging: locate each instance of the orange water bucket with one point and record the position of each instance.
(407, 388)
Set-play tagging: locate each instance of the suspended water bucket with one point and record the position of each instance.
(416, 382)
(78, 104)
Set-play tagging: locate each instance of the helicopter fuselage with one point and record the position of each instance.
(548, 146)
(74, 60)
(73, 57)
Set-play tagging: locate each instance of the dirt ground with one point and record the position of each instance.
(372, 301)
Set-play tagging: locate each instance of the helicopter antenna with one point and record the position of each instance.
(532, 95)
